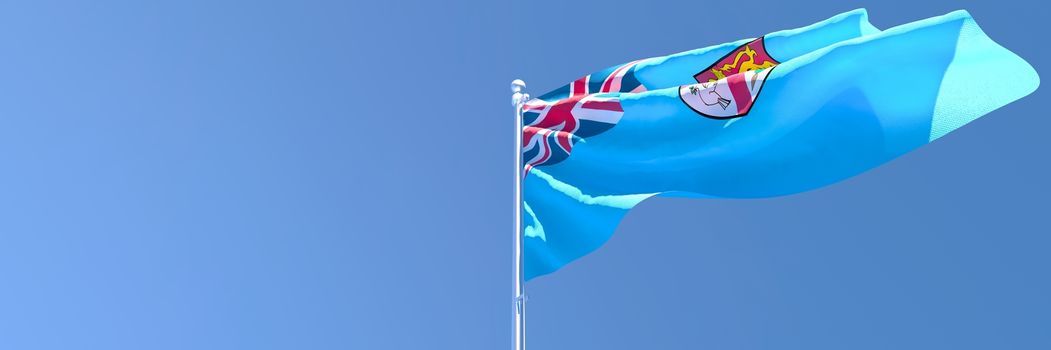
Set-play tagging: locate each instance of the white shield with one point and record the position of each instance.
(729, 97)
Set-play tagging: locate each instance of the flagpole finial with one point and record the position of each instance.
(519, 97)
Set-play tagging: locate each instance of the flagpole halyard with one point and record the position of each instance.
(518, 305)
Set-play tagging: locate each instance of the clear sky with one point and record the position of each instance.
(337, 175)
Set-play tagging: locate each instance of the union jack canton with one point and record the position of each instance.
(557, 120)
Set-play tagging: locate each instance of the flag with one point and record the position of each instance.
(783, 113)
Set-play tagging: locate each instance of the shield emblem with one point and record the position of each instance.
(729, 87)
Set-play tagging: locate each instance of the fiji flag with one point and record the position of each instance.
(783, 113)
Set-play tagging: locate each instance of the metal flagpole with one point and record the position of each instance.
(518, 99)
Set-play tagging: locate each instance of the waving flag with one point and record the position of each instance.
(768, 116)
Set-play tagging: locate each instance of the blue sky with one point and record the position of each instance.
(336, 175)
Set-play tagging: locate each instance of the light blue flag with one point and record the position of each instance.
(781, 114)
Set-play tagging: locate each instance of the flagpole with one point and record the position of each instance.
(518, 305)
